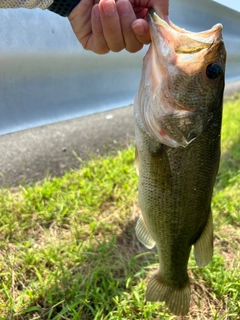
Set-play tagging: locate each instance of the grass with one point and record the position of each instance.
(68, 248)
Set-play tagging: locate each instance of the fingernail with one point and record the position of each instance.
(108, 7)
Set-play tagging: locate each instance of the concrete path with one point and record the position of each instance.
(30, 155)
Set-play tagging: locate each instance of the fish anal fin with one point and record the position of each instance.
(203, 247)
(143, 234)
(176, 299)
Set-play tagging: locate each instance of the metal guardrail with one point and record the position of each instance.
(46, 77)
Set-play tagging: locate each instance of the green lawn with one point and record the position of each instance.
(68, 248)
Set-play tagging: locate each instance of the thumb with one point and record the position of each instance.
(141, 31)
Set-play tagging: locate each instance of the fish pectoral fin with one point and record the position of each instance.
(203, 247)
(143, 234)
(176, 299)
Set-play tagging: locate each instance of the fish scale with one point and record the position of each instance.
(177, 152)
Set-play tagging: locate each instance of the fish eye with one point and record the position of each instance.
(213, 71)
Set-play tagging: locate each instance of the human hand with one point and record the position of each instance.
(113, 26)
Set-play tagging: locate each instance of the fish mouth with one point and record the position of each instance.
(183, 39)
(176, 63)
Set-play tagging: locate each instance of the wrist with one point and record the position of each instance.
(63, 7)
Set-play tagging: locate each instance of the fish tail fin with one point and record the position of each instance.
(176, 299)
(203, 247)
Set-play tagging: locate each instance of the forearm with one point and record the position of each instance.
(61, 7)
(29, 4)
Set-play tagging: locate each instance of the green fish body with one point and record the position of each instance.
(178, 114)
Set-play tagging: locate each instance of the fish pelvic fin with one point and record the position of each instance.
(143, 234)
(203, 247)
(176, 299)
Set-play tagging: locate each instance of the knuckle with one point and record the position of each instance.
(134, 46)
(117, 47)
(134, 50)
(101, 49)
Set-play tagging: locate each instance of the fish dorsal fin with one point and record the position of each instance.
(143, 234)
(203, 247)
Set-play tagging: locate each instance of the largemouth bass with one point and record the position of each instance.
(178, 114)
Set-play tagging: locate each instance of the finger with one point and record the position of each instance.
(111, 25)
(161, 7)
(80, 20)
(141, 31)
(127, 17)
(99, 44)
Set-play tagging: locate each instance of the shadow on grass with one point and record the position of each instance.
(106, 273)
(108, 282)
